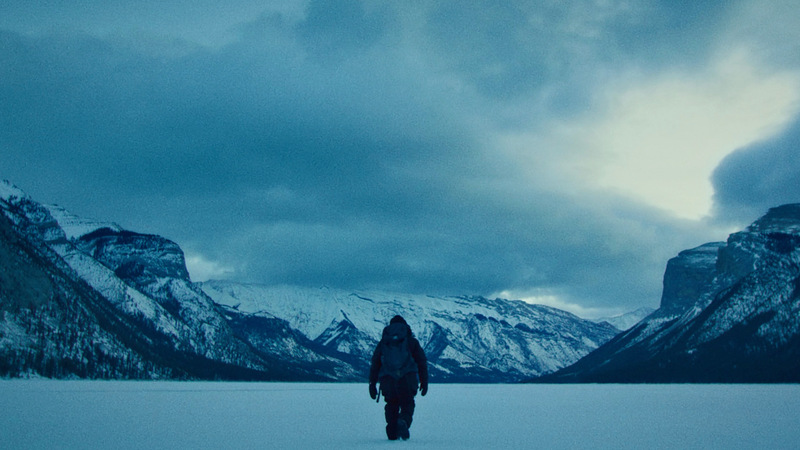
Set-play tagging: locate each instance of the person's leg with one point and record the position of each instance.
(405, 417)
(406, 413)
(407, 389)
(392, 409)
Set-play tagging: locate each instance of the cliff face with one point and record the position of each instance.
(140, 258)
(728, 314)
(687, 277)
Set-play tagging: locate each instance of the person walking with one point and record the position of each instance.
(399, 364)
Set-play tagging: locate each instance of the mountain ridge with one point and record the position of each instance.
(486, 335)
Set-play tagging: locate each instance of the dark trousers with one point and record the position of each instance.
(399, 396)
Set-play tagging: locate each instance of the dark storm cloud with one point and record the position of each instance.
(332, 27)
(508, 49)
(753, 179)
(348, 143)
(227, 118)
(264, 136)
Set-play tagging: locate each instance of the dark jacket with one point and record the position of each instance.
(418, 363)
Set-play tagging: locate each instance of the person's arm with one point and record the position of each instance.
(374, 370)
(375, 367)
(422, 367)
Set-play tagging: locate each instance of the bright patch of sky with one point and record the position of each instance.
(558, 302)
(657, 138)
(201, 269)
(664, 137)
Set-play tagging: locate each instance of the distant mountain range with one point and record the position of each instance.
(465, 338)
(87, 299)
(730, 312)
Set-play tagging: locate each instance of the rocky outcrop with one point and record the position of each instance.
(687, 277)
(140, 258)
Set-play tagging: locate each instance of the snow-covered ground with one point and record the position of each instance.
(169, 415)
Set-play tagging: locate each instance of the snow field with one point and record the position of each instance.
(45, 414)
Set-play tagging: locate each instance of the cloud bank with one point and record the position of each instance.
(557, 152)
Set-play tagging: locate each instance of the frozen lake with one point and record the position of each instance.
(127, 415)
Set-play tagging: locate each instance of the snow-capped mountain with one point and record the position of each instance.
(93, 300)
(729, 313)
(465, 338)
(84, 298)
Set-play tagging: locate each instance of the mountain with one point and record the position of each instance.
(728, 314)
(465, 338)
(89, 299)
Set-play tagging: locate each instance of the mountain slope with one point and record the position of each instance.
(104, 302)
(728, 314)
(54, 324)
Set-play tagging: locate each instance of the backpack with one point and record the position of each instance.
(396, 359)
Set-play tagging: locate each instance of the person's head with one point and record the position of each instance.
(397, 319)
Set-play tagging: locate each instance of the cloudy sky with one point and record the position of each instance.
(554, 151)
